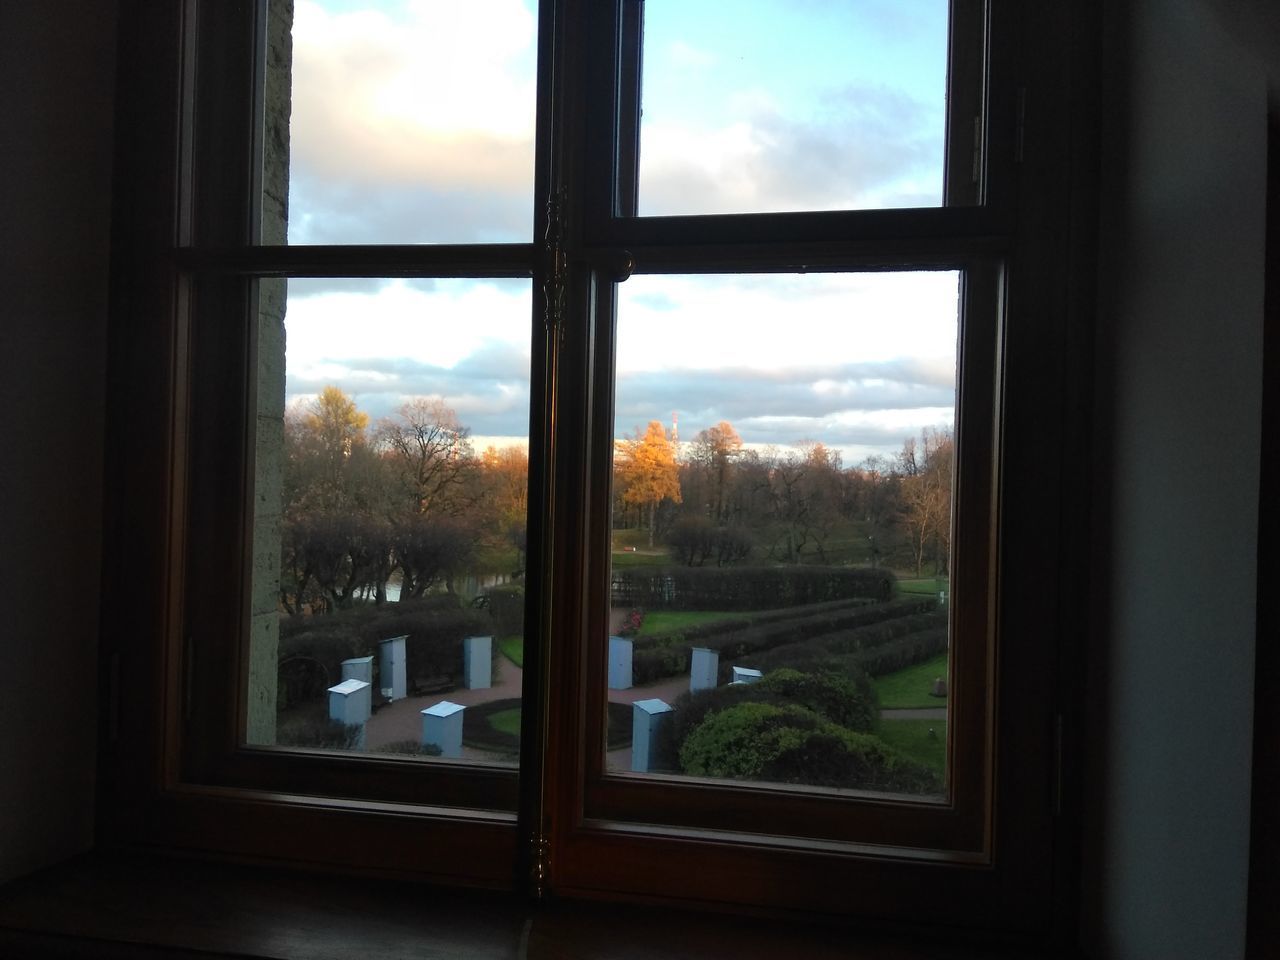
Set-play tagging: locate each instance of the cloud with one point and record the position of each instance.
(823, 398)
(867, 146)
(341, 211)
(412, 122)
(301, 288)
(489, 389)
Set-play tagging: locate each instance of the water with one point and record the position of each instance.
(467, 586)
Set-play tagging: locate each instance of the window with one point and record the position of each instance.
(606, 228)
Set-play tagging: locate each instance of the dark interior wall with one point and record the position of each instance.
(1179, 379)
(56, 85)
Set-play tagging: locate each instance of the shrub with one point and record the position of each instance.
(745, 588)
(318, 731)
(506, 608)
(411, 747)
(632, 624)
(849, 700)
(790, 744)
(434, 626)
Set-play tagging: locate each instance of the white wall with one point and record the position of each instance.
(56, 82)
(1179, 387)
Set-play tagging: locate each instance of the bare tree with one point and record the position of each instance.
(430, 454)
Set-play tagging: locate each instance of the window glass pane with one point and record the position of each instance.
(781, 528)
(785, 106)
(390, 506)
(403, 121)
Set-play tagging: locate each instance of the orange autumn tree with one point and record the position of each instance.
(647, 472)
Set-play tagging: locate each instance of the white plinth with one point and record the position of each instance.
(350, 703)
(619, 663)
(704, 664)
(477, 663)
(647, 717)
(442, 725)
(393, 674)
(358, 668)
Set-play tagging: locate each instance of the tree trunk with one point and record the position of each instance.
(653, 519)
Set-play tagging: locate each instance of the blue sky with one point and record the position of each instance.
(413, 123)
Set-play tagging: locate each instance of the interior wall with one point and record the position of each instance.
(57, 75)
(1179, 380)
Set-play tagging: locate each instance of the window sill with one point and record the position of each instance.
(133, 906)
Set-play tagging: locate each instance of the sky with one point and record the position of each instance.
(412, 122)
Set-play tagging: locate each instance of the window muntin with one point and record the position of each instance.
(804, 461)
(410, 122)
(791, 107)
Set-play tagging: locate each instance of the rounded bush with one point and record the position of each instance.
(849, 701)
(791, 744)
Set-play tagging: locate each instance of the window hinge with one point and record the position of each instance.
(540, 865)
(555, 278)
(1020, 130)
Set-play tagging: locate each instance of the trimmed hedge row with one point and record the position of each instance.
(745, 588)
(701, 631)
(902, 653)
(655, 663)
(434, 626)
(855, 646)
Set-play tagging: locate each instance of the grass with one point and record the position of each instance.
(909, 688)
(656, 559)
(665, 621)
(513, 649)
(506, 721)
(911, 738)
(925, 585)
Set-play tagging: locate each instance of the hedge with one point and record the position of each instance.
(897, 654)
(745, 588)
(434, 626)
(655, 663)
(849, 700)
(761, 741)
(506, 608)
(701, 631)
(846, 646)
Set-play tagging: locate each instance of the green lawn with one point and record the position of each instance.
(513, 649)
(665, 621)
(910, 688)
(638, 559)
(508, 721)
(926, 585)
(912, 738)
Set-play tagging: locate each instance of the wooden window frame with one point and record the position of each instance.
(173, 774)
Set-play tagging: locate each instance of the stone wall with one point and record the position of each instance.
(269, 448)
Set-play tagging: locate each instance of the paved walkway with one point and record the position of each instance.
(402, 720)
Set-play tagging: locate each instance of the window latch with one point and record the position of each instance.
(555, 279)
